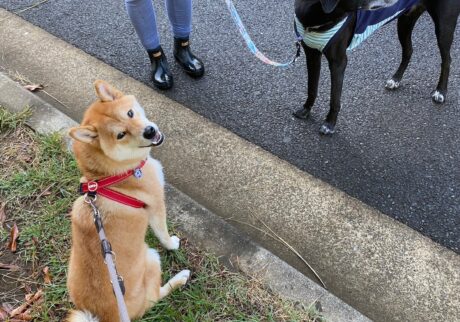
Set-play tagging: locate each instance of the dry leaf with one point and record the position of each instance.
(46, 275)
(14, 234)
(35, 241)
(34, 87)
(37, 296)
(2, 213)
(20, 309)
(20, 312)
(10, 267)
(23, 317)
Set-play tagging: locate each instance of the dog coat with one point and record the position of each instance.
(367, 21)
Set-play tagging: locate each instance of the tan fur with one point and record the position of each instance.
(100, 154)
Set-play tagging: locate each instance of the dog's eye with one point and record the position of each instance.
(130, 113)
(121, 135)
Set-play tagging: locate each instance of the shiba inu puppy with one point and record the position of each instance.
(114, 138)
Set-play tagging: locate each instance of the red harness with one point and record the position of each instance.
(100, 187)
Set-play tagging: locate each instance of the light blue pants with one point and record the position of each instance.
(143, 18)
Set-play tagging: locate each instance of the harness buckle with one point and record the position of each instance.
(92, 186)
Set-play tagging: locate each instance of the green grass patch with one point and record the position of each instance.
(38, 195)
(10, 121)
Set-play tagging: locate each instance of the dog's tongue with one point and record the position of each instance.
(158, 138)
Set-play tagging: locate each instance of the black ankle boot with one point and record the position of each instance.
(188, 61)
(161, 76)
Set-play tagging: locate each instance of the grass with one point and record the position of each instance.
(38, 179)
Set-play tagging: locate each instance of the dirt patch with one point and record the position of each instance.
(16, 280)
(17, 149)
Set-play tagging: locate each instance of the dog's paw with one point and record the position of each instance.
(327, 129)
(183, 276)
(391, 85)
(174, 243)
(438, 97)
(302, 114)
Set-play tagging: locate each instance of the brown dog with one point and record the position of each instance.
(114, 137)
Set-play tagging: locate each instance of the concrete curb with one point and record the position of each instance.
(379, 266)
(203, 228)
(45, 118)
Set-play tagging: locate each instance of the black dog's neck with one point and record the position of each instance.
(311, 15)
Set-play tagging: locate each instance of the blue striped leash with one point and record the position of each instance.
(252, 47)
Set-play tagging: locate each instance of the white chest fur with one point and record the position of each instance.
(158, 170)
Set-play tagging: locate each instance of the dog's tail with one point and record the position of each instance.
(81, 316)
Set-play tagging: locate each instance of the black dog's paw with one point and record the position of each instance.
(438, 97)
(302, 114)
(392, 85)
(327, 129)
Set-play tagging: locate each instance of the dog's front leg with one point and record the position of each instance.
(337, 65)
(157, 220)
(313, 71)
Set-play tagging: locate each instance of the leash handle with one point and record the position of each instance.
(115, 279)
(250, 44)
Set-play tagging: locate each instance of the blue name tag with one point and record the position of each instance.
(138, 173)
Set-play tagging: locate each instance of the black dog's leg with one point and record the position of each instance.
(406, 25)
(445, 23)
(337, 65)
(313, 71)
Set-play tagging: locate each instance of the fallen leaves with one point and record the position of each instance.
(34, 87)
(23, 312)
(46, 275)
(14, 234)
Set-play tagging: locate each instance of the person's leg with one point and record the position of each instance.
(143, 18)
(180, 17)
(142, 15)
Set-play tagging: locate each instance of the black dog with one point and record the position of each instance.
(333, 26)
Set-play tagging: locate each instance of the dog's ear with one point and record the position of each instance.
(106, 92)
(329, 5)
(85, 134)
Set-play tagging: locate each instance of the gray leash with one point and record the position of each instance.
(115, 279)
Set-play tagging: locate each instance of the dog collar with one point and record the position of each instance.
(99, 187)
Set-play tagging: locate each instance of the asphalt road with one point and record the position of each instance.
(397, 152)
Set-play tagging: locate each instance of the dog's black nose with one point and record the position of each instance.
(149, 132)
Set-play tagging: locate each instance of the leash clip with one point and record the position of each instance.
(298, 46)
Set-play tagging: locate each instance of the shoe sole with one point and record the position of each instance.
(162, 86)
(192, 74)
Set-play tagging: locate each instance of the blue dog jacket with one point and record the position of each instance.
(367, 21)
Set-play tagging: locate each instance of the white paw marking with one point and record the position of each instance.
(438, 97)
(326, 130)
(153, 255)
(174, 243)
(183, 276)
(84, 316)
(391, 84)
